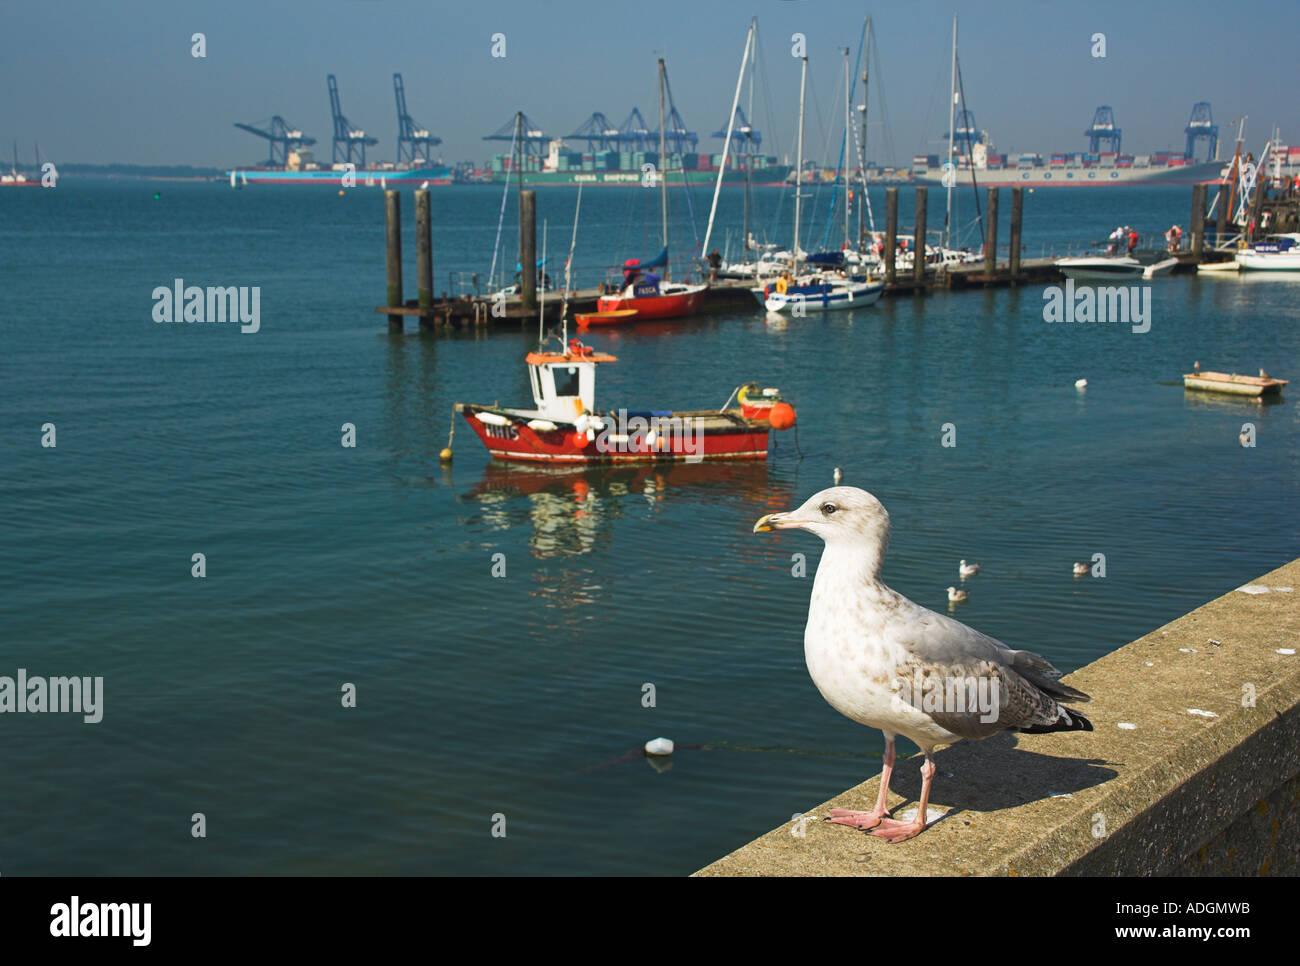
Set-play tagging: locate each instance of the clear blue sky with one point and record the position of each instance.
(107, 82)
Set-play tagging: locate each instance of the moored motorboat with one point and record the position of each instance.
(1090, 267)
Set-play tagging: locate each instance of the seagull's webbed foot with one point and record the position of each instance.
(894, 832)
(863, 821)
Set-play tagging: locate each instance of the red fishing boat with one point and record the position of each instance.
(565, 427)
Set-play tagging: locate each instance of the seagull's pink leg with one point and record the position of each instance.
(893, 831)
(869, 820)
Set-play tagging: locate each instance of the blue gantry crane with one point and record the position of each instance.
(1103, 129)
(534, 138)
(413, 141)
(743, 132)
(599, 134)
(282, 138)
(349, 143)
(1201, 125)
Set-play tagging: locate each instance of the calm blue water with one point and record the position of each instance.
(522, 695)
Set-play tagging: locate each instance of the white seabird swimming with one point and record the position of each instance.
(888, 663)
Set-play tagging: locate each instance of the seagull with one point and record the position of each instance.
(967, 570)
(956, 596)
(1081, 384)
(870, 650)
(837, 476)
(1080, 569)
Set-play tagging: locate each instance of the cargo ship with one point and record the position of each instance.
(382, 177)
(559, 165)
(1101, 168)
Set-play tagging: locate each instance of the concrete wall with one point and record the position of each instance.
(1155, 790)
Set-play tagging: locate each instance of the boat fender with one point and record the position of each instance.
(781, 285)
(542, 426)
(492, 419)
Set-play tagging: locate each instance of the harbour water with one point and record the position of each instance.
(522, 695)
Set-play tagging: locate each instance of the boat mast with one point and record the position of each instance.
(847, 155)
(950, 177)
(798, 171)
(726, 147)
(541, 299)
(749, 142)
(862, 153)
(663, 168)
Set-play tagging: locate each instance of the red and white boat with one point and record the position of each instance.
(649, 295)
(564, 426)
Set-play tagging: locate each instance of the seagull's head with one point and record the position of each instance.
(841, 514)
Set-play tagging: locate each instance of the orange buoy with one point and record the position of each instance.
(782, 416)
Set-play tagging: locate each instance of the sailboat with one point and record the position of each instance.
(650, 295)
(16, 178)
(815, 291)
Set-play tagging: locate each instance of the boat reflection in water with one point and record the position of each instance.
(572, 509)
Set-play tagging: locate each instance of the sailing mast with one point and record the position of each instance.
(798, 171)
(848, 208)
(726, 147)
(862, 153)
(950, 177)
(663, 168)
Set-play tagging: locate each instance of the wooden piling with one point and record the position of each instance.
(918, 238)
(891, 234)
(528, 247)
(1257, 205)
(1221, 214)
(424, 258)
(393, 225)
(1198, 220)
(991, 235)
(1017, 212)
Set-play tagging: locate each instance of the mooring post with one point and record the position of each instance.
(1221, 215)
(424, 258)
(1198, 220)
(1257, 206)
(991, 236)
(393, 224)
(528, 247)
(891, 234)
(1017, 211)
(918, 238)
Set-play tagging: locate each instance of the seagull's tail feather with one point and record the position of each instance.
(1052, 687)
(1068, 719)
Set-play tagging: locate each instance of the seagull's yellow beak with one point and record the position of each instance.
(776, 521)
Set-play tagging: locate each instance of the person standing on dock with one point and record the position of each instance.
(715, 263)
(1132, 240)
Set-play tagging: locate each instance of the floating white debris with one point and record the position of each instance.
(659, 746)
(1286, 650)
(1127, 726)
(1188, 650)
(1203, 714)
(1253, 589)
(1081, 384)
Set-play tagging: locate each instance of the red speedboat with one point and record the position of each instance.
(564, 426)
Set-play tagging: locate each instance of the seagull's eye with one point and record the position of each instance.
(828, 509)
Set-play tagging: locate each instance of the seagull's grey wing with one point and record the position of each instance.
(974, 685)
